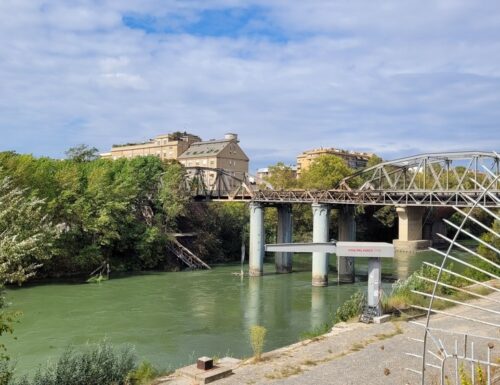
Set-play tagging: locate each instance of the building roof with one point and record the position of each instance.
(205, 149)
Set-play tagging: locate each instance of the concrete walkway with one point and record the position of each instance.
(362, 354)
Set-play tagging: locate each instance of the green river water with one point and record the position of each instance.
(172, 318)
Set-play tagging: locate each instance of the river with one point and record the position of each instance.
(172, 318)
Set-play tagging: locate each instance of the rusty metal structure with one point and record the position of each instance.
(431, 180)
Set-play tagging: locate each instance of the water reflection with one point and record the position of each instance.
(254, 302)
(318, 306)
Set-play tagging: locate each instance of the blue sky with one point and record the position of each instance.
(392, 77)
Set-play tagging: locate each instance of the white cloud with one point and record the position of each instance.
(385, 76)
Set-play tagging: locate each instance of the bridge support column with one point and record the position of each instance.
(283, 260)
(347, 232)
(410, 230)
(257, 239)
(321, 221)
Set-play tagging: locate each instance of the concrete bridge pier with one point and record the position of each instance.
(283, 260)
(321, 222)
(435, 225)
(410, 230)
(347, 232)
(257, 239)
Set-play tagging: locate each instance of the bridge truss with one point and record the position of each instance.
(444, 179)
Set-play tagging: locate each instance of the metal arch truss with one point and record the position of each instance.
(445, 179)
(451, 171)
(467, 353)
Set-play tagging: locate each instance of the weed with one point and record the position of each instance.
(350, 308)
(257, 340)
(143, 375)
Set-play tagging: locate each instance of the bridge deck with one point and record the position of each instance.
(381, 198)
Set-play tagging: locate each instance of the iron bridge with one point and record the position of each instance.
(434, 179)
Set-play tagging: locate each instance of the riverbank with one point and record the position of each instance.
(355, 353)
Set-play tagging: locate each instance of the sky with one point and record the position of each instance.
(396, 78)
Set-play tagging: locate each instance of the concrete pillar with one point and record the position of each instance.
(283, 260)
(410, 229)
(321, 222)
(374, 283)
(257, 239)
(347, 232)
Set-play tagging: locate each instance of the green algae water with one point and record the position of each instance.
(173, 318)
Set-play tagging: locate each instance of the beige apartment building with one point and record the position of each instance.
(224, 153)
(168, 146)
(353, 159)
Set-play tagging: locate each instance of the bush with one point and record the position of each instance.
(257, 339)
(143, 374)
(6, 372)
(350, 308)
(99, 365)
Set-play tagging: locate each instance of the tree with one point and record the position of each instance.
(281, 177)
(25, 234)
(374, 160)
(82, 153)
(325, 173)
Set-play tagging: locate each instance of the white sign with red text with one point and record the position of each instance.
(364, 249)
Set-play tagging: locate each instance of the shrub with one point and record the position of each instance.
(350, 308)
(6, 372)
(143, 374)
(99, 365)
(257, 339)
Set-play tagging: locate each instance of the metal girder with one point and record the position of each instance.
(444, 179)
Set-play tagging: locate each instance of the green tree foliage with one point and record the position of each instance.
(121, 212)
(172, 197)
(325, 173)
(374, 160)
(25, 233)
(282, 177)
(82, 153)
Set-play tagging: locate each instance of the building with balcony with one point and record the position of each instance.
(354, 159)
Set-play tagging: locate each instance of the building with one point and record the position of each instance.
(263, 173)
(168, 146)
(225, 154)
(355, 160)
